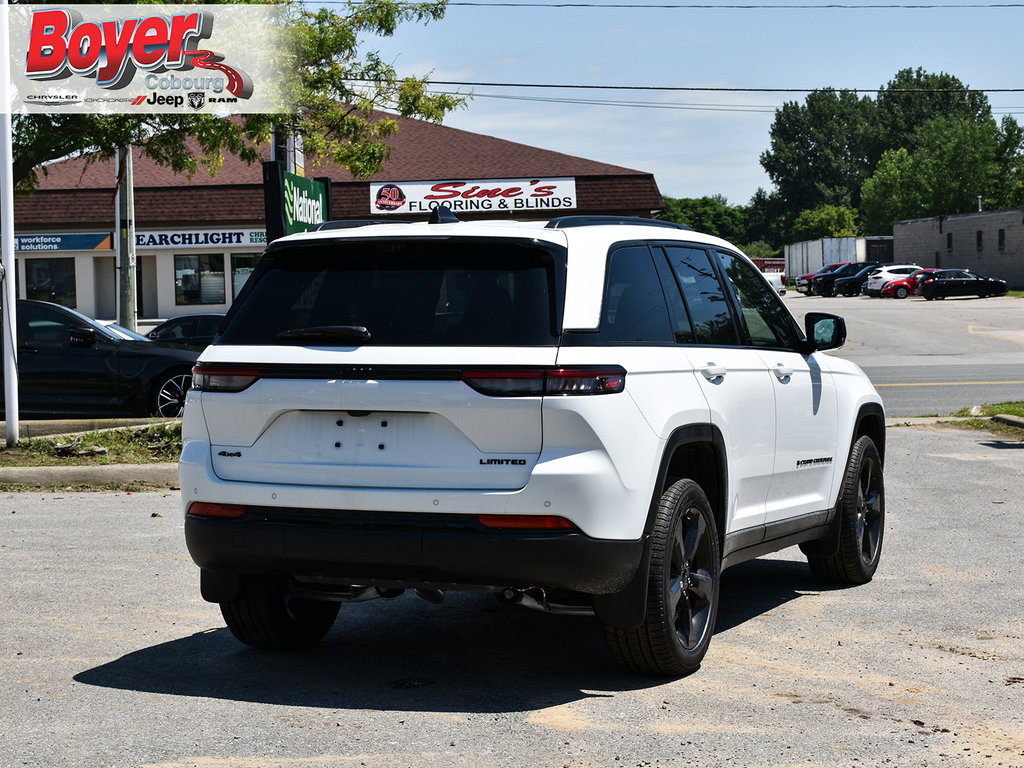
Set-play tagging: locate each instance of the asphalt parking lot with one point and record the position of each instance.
(931, 357)
(110, 657)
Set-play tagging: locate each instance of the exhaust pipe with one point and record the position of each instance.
(431, 595)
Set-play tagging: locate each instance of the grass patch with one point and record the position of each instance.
(1010, 409)
(984, 422)
(130, 445)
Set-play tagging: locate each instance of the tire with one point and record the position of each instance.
(266, 615)
(682, 590)
(861, 513)
(169, 394)
(902, 292)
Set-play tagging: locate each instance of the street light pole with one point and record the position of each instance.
(10, 288)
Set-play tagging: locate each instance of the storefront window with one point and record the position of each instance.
(242, 265)
(51, 280)
(199, 278)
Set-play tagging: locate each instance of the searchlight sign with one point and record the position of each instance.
(107, 59)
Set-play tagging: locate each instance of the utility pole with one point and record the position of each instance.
(126, 314)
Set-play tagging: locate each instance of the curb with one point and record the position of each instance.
(163, 473)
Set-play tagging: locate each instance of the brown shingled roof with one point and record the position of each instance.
(77, 194)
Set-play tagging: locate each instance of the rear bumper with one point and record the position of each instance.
(401, 549)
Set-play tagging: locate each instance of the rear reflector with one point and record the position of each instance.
(208, 509)
(527, 382)
(526, 522)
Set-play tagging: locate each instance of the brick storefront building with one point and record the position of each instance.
(197, 240)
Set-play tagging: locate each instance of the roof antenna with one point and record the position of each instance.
(442, 215)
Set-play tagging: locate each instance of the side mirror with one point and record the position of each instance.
(82, 336)
(824, 331)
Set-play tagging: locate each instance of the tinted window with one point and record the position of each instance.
(208, 326)
(634, 304)
(703, 295)
(767, 320)
(409, 293)
(176, 330)
(41, 324)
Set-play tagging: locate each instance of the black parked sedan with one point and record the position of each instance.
(71, 365)
(852, 285)
(825, 285)
(190, 330)
(959, 282)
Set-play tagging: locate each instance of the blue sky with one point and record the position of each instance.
(694, 143)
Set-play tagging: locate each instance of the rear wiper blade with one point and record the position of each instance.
(326, 333)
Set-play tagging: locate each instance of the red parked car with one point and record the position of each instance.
(900, 289)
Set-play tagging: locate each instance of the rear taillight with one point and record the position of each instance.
(209, 509)
(526, 522)
(605, 380)
(217, 378)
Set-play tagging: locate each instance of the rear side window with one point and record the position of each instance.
(634, 307)
(404, 293)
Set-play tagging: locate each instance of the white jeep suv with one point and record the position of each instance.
(588, 414)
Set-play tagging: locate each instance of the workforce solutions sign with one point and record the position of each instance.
(218, 59)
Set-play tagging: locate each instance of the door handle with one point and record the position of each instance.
(782, 372)
(713, 373)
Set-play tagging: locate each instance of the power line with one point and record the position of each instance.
(738, 7)
(726, 7)
(698, 88)
(763, 108)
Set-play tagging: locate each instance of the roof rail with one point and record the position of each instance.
(568, 222)
(350, 223)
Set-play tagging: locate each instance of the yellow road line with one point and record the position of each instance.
(948, 384)
(970, 329)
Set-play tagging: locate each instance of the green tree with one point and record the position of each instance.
(914, 97)
(338, 89)
(818, 153)
(766, 218)
(893, 192)
(825, 221)
(824, 151)
(712, 215)
(954, 162)
(759, 249)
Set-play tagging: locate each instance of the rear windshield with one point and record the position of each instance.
(401, 293)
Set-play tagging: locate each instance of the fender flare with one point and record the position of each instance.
(628, 608)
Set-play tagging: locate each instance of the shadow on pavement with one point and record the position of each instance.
(470, 654)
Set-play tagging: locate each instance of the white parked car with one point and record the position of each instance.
(777, 282)
(589, 414)
(887, 274)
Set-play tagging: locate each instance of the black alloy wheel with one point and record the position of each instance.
(683, 588)
(861, 520)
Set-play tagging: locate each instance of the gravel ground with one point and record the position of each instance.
(110, 658)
